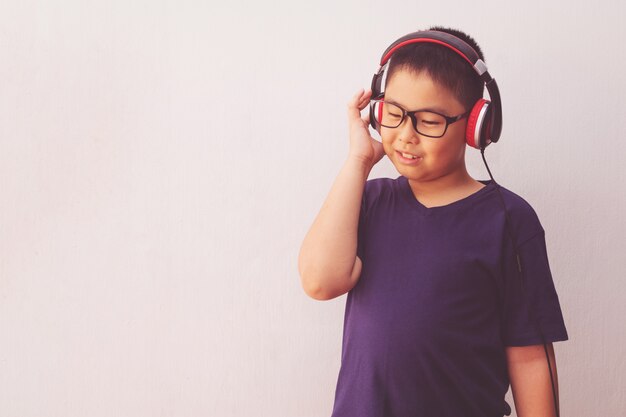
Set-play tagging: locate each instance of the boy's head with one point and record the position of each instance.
(428, 145)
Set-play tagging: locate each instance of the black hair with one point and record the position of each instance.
(444, 66)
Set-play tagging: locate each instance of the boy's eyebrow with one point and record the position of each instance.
(433, 109)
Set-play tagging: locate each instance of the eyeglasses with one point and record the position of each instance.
(427, 123)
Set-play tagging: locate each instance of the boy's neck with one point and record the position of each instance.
(446, 189)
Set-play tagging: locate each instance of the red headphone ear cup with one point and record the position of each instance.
(475, 132)
(374, 117)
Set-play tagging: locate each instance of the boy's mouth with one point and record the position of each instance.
(408, 156)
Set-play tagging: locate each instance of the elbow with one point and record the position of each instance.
(316, 292)
(319, 289)
(314, 288)
(323, 283)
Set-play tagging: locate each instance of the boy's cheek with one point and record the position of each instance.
(386, 139)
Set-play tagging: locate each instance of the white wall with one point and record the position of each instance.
(161, 161)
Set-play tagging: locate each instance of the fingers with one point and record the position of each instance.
(358, 102)
(364, 98)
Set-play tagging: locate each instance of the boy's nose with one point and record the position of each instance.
(407, 132)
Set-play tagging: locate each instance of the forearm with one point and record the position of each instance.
(328, 253)
(530, 380)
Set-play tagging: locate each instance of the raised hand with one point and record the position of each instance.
(362, 145)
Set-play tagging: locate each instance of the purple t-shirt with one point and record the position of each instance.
(438, 300)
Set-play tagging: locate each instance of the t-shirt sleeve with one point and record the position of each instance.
(531, 305)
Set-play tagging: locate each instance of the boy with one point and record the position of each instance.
(438, 321)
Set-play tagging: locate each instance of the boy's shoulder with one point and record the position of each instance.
(377, 188)
(380, 185)
(521, 213)
(514, 202)
(379, 191)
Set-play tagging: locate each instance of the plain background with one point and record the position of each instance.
(161, 161)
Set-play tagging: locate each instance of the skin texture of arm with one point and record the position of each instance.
(327, 262)
(530, 380)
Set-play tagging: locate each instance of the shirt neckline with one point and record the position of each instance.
(405, 188)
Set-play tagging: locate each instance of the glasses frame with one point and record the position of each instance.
(411, 114)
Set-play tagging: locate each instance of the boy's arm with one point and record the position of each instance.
(530, 380)
(327, 263)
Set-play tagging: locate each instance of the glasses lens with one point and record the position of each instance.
(430, 124)
(387, 114)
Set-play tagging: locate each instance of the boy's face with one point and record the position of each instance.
(437, 157)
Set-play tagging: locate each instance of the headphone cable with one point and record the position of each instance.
(519, 266)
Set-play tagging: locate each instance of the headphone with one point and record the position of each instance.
(484, 123)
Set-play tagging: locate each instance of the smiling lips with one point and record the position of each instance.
(408, 157)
